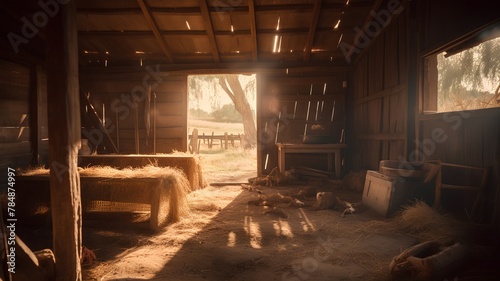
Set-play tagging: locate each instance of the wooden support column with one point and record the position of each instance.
(34, 112)
(64, 141)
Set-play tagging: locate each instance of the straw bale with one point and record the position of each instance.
(132, 195)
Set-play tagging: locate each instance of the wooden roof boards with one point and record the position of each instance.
(203, 31)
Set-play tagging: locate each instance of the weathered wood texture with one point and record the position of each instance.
(15, 117)
(380, 89)
(466, 138)
(64, 134)
(448, 20)
(288, 104)
(115, 97)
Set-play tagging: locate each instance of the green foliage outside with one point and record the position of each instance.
(470, 79)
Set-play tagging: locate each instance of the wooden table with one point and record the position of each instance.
(332, 150)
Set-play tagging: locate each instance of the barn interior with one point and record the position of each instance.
(348, 106)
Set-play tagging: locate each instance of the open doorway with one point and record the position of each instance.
(222, 125)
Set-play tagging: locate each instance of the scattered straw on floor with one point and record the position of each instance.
(428, 224)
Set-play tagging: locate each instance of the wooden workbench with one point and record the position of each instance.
(332, 151)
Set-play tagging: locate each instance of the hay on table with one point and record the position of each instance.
(160, 190)
(189, 164)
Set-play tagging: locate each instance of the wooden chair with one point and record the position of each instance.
(460, 183)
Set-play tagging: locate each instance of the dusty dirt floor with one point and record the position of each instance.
(225, 238)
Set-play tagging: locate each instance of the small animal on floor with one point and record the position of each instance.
(325, 200)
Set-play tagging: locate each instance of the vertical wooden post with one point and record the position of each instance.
(225, 140)
(496, 212)
(34, 102)
(64, 141)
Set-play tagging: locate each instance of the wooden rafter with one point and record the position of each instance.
(139, 33)
(353, 7)
(210, 30)
(253, 28)
(154, 27)
(312, 30)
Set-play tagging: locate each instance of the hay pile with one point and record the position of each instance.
(427, 224)
(172, 180)
(424, 223)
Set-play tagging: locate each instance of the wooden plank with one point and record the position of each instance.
(14, 75)
(384, 93)
(172, 96)
(391, 75)
(170, 109)
(14, 92)
(64, 133)
(9, 135)
(15, 68)
(253, 29)
(385, 126)
(154, 27)
(13, 106)
(14, 120)
(173, 132)
(312, 98)
(162, 145)
(474, 141)
(210, 30)
(128, 87)
(137, 74)
(163, 121)
(486, 113)
(184, 125)
(14, 148)
(34, 107)
(333, 7)
(312, 30)
(287, 80)
(381, 136)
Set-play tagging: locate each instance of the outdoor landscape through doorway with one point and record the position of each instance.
(221, 125)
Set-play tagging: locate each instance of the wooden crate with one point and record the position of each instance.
(387, 195)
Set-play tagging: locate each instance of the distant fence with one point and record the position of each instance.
(223, 141)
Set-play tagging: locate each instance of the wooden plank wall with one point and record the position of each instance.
(116, 93)
(471, 136)
(278, 94)
(15, 146)
(461, 17)
(380, 81)
(465, 138)
(468, 138)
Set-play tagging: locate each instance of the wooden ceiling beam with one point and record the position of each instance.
(149, 33)
(354, 7)
(109, 12)
(154, 27)
(210, 30)
(223, 67)
(253, 29)
(312, 30)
